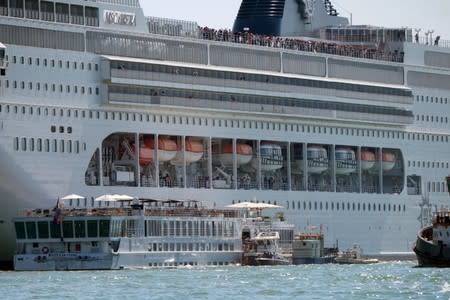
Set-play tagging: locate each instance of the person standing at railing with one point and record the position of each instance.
(436, 41)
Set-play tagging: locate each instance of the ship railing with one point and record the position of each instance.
(3, 11)
(47, 16)
(369, 189)
(77, 20)
(62, 18)
(369, 51)
(432, 42)
(320, 187)
(16, 12)
(32, 14)
(92, 21)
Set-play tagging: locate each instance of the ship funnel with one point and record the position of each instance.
(286, 17)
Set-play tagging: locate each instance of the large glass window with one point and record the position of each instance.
(80, 229)
(92, 228)
(104, 228)
(31, 230)
(20, 230)
(67, 229)
(43, 230)
(55, 231)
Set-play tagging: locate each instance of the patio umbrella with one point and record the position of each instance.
(72, 197)
(106, 197)
(122, 197)
(253, 205)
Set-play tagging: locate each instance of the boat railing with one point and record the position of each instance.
(128, 211)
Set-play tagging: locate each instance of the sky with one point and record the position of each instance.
(416, 14)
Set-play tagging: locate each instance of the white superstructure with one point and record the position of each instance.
(95, 98)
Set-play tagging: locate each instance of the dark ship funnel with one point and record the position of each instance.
(286, 17)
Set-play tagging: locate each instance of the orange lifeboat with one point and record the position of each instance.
(368, 159)
(145, 155)
(193, 152)
(388, 159)
(244, 154)
(167, 149)
(387, 162)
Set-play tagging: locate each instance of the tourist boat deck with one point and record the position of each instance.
(132, 235)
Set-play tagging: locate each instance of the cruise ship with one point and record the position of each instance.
(345, 127)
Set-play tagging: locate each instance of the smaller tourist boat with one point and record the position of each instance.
(354, 255)
(433, 242)
(127, 234)
(265, 251)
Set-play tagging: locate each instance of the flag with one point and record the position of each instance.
(58, 211)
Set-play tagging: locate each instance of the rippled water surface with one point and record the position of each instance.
(393, 280)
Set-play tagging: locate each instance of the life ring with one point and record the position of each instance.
(45, 250)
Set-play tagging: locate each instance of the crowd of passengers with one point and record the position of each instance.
(316, 46)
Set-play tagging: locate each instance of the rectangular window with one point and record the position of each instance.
(31, 230)
(55, 230)
(104, 228)
(67, 229)
(20, 230)
(92, 226)
(43, 230)
(80, 229)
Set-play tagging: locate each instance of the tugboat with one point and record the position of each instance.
(433, 242)
(308, 248)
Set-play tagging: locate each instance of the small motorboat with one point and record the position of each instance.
(354, 256)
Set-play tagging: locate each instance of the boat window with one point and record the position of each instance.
(55, 231)
(43, 230)
(67, 229)
(31, 230)
(104, 228)
(80, 229)
(20, 230)
(92, 226)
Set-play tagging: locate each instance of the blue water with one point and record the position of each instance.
(393, 280)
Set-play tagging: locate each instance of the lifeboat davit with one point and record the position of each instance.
(317, 159)
(345, 161)
(244, 154)
(271, 157)
(167, 150)
(368, 159)
(193, 152)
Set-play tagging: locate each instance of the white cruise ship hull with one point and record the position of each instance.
(80, 93)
